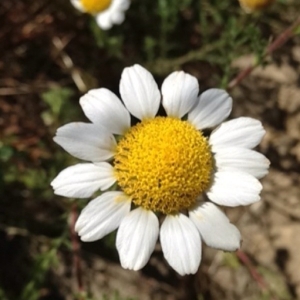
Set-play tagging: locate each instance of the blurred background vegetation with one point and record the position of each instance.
(50, 54)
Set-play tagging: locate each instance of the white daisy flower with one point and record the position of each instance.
(106, 12)
(160, 167)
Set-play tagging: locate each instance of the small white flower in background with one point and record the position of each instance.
(161, 166)
(106, 12)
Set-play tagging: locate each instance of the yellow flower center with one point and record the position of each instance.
(95, 6)
(252, 5)
(163, 164)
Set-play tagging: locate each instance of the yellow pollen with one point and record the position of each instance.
(163, 164)
(95, 6)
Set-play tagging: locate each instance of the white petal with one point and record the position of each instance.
(77, 4)
(103, 20)
(86, 141)
(213, 107)
(120, 5)
(215, 228)
(136, 238)
(181, 244)
(118, 17)
(102, 216)
(104, 108)
(240, 159)
(139, 92)
(83, 180)
(180, 92)
(114, 14)
(234, 188)
(241, 132)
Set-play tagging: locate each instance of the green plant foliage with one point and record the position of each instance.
(230, 260)
(43, 262)
(58, 101)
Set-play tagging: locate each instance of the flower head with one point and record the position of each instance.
(106, 12)
(255, 5)
(160, 167)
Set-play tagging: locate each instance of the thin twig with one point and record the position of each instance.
(27, 89)
(164, 66)
(13, 230)
(243, 257)
(76, 248)
(68, 63)
(276, 44)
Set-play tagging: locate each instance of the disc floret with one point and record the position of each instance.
(163, 164)
(95, 6)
